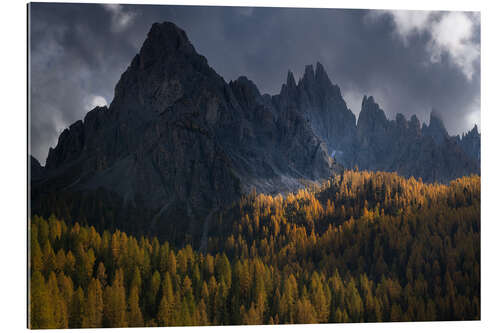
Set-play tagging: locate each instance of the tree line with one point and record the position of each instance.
(361, 247)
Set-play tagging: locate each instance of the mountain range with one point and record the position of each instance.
(178, 142)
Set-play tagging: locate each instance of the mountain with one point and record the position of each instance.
(36, 170)
(471, 143)
(406, 147)
(374, 142)
(178, 142)
(322, 105)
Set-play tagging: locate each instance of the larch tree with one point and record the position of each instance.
(94, 305)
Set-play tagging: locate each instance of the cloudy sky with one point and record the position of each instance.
(410, 61)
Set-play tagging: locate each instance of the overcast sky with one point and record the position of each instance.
(410, 62)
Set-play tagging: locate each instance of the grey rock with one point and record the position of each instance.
(178, 142)
(471, 143)
(426, 152)
(36, 170)
(175, 142)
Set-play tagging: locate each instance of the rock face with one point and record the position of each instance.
(36, 170)
(375, 142)
(176, 142)
(471, 143)
(406, 147)
(436, 129)
(324, 106)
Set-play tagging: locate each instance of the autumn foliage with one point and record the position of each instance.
(361, 247)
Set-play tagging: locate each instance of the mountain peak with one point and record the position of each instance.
(435, 117)
(401, 120)
(371, 115)
(367, 102)
(245, 81)
(474, 130)
(320, 71)
(245, 90)
(317, 84)
(166, 68)
(165, 38)
(308, 73)
(290, 87)
(166, 27)
(290, 80)
(436, 120)
(414, 125)
(436, 128)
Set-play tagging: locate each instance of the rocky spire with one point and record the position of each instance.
(290, 80)
(474, 131)
(414, 126)
(177, 140)
(471, 143)
(164, 40)
(436, 129)
(316, 81)
(371, 117)
(166, 68)
(436, 120)
(288, 91)
(321, 76)
(308, 74)
(245, 91)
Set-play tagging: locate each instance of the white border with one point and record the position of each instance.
(13, 139)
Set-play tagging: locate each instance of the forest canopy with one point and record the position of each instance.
(361, 247)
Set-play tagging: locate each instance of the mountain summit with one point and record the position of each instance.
(178, 142)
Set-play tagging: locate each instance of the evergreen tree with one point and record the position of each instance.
(41, 313)
(134, 315)
(115, 306)
(94, 305)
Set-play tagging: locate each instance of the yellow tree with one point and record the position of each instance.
(41, 314)
(115, 305)
(134, 312)
(94, 305)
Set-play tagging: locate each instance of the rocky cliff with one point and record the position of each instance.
(178, 142)
(406, 147)
(375, 142)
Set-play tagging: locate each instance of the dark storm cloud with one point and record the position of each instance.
(79, 51)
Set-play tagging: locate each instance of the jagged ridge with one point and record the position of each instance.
(178, 141)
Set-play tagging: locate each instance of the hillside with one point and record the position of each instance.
(360, 247)
(179, 143)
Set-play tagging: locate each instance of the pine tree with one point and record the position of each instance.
(165, 316)
(134, 315)
(115, 305)
(36, 256)
(41, 313)
(172, 263)
(319, 299)
(94, 305)
(59, 306)
(101, 274)
(77, 309)
(305, 313)
(201, 317)
(424, 237)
